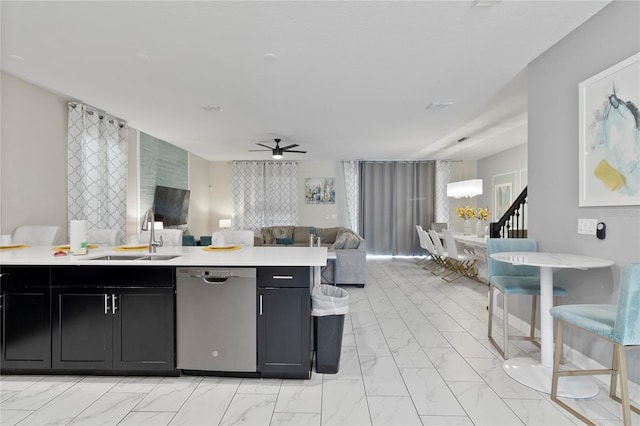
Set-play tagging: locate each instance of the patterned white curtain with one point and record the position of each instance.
(264, 194)
(96, 168)
(280, 190)
(443, 175)
(352, 192)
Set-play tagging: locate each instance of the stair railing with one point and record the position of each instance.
(512, 222)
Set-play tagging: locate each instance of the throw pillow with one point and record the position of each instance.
(340, 242)
(284, 241)
(352, 241)
(282, 231)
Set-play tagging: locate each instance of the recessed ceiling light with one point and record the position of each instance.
(212, 108)
(270, 57)
(439, 105)
(16, 57)
(486, 3)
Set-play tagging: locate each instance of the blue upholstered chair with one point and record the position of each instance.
(188, 240)
(619, 324)
(205, 240)
(513, 280)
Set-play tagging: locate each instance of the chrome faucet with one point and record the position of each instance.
(150, 214)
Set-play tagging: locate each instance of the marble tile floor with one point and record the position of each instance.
(415, 352)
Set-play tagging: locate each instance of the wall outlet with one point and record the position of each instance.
(587, 226)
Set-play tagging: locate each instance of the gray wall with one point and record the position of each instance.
(609, 37)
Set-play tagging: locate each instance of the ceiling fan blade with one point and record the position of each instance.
(301, 152)
(255, 150)
(261, 144)
(285, 148)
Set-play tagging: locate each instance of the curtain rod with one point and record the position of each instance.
(121, 123)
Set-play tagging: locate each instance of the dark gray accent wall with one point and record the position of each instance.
(606, 39)
(160, 164)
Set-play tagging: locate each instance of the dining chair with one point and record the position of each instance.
(442, 254)
(463, 263)
(423, 246)
(104, 236)
(513, 280)
(205, 240)
(438, 262)
(170, 237)
(617, 324)
(35, 235)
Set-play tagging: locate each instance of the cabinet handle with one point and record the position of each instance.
(113, 304)
(282, 277)
(106, 304)
(260, 305)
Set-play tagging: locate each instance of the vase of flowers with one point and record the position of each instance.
(482, 215)
(466, 213)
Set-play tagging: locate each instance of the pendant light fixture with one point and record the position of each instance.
(464, 188)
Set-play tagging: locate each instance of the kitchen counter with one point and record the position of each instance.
(187, 256)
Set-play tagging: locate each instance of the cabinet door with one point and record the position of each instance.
(25, 318)
(82, 329)
(143, 329)
(284, 335)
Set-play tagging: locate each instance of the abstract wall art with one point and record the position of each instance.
(319, 191)
(609, 160)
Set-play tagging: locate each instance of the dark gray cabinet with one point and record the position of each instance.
(25, 320)
(123, 321)
(284, 322)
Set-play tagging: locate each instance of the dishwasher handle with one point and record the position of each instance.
(217, 280)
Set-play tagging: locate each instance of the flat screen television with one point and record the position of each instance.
(171, 205)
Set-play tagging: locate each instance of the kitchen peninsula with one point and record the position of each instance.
(115, 312)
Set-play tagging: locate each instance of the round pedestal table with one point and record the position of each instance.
(536, 373)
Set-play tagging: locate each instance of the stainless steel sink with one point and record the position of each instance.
(160, 257)
(117, 257)
(136, 257)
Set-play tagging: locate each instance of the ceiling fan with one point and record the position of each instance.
(277, 151)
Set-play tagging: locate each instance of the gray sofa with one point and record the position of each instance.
(349, 247)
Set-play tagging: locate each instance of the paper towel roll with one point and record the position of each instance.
(77, 235)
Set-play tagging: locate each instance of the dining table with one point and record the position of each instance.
(537, 373)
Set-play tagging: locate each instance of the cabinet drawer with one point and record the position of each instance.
(283, 276)
(113, 276)
(24, 276)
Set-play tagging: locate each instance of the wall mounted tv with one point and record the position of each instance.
(171, 205)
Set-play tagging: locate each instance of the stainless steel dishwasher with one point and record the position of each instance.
(216, 319)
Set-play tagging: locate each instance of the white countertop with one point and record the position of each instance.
(188, 256)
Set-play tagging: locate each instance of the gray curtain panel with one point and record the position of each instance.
(395, 197)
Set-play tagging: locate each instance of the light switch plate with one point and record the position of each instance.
(587, 226)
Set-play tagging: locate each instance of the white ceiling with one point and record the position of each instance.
(350, 80)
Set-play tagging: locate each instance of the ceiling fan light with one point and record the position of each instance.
(277, 156)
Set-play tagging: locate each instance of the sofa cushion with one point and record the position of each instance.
(328, 235)
(352, 241)
(267, 236)
(301, 234)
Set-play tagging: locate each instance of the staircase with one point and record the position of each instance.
(512, 222)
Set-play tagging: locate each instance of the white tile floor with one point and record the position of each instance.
(414, 352)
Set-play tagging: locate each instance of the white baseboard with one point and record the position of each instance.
(572, 356)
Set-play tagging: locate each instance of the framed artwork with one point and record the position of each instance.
(319, 191)
(609, 157)
(503, 193)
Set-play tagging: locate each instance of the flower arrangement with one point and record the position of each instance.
(465, 212)
(483, 214)
(469, 212)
